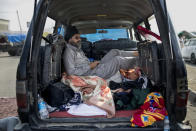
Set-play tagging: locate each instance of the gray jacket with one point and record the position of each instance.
(75, 61)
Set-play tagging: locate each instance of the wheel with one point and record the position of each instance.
(18, 51)
(12, 52)
(193, 60)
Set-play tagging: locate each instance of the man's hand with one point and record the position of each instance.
(123, 72)
(94, 64)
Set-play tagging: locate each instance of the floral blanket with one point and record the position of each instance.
(153, 110)
(93, 90)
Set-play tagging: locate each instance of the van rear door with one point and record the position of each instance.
(176, 77)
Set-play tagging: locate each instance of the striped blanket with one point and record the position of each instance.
(153, 110)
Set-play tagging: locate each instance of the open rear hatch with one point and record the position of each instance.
(88, 16)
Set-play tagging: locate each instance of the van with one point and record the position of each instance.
(146, 27)
(188, 51)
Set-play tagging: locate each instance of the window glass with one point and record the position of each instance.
(49, 26)
(187, 43)
(133, 35)
(142, 36)
(107, 34)
(48, 29)
(146, 34)
(194, 42)
(153, 25)
(191, 43)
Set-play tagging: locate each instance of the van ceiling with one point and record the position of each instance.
(100, 13)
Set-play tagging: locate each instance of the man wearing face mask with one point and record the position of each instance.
(76, 63)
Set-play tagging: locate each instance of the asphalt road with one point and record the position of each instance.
(191, 71)
(9, 64)
(8, 67)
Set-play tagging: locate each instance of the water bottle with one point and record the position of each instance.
(43, 112)
(166, 124)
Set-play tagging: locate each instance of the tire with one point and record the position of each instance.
(12, 52)
(193, 59)
(23, 116)
(18, 52)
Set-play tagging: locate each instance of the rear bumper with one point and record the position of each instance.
(22, 127)
(88, 129)
(26, 127)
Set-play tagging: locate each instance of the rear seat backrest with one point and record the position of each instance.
(149, 60)
(86, 46)
(100, 48)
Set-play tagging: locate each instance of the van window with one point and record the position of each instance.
(141, 36)
(153, 33)
(132, 37)
(49, 27)
(192, 43)
(187, 43)
(153, 24)
(107, 34)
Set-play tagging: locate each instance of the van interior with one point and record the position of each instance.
(51, 67)
(96, 42)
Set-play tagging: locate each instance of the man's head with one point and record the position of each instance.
(72, 36)
(131, 74)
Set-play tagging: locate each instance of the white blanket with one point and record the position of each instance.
(86, 110)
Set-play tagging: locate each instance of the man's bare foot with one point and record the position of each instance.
(128, 91)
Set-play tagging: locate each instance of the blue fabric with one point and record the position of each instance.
(145, 118)
(16, 38)
(60, 31)
(76, 100)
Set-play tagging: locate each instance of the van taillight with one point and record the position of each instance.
(21, 94)
(182, 99)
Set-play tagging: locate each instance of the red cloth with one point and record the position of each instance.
(145, 31)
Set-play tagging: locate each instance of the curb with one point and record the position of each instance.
(192, 97)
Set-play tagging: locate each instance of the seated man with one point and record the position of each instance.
(76, 63)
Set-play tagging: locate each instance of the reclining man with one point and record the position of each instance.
(76, 63)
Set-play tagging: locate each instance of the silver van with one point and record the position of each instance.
(189, 51)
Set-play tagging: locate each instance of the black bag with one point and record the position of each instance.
(57, 94)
